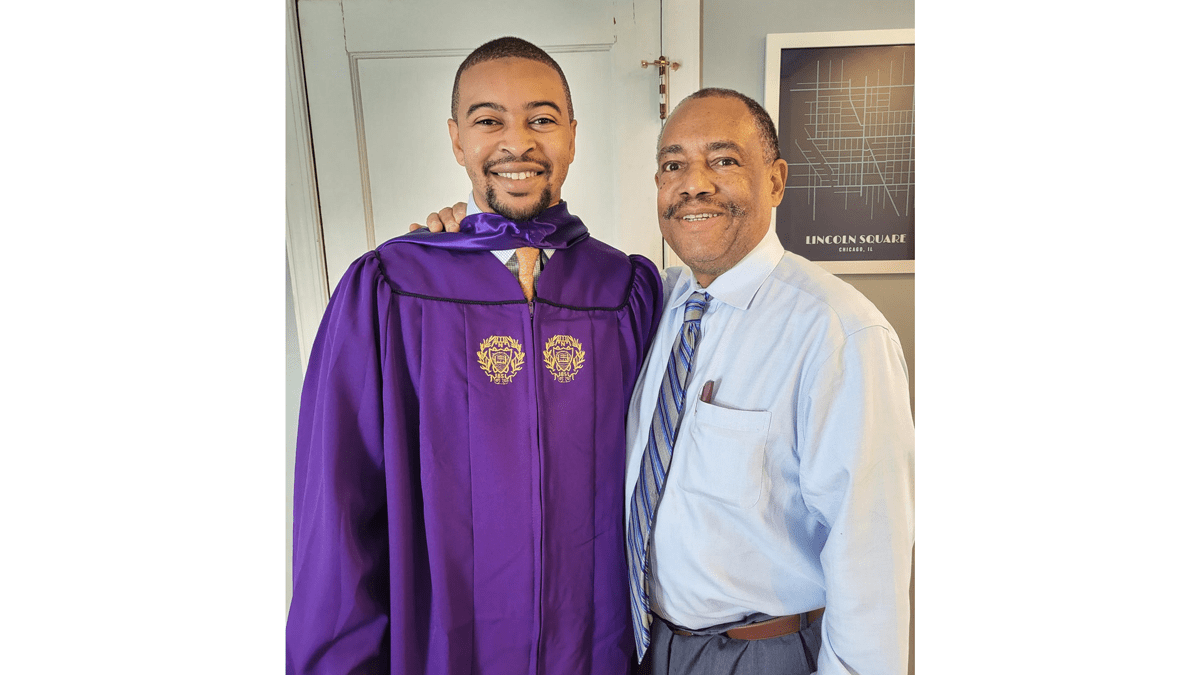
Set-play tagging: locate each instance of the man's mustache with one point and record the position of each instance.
(734, 210)
(509, 158)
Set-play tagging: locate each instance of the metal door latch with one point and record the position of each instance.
(664, 79)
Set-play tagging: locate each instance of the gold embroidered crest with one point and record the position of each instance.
(564, 357)
(500, 357)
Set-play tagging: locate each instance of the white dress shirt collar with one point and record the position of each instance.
(504, 255)
(739, 284)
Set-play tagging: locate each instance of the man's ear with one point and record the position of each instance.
(778, 178)
(454, 142)
(573, 123)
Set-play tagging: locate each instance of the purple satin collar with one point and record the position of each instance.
(552, 228)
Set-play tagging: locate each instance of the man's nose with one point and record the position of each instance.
(518, 139)
(696, 180)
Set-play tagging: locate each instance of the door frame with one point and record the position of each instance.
(305, 243)
(310, 282)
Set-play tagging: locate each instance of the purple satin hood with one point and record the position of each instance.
(552, 228)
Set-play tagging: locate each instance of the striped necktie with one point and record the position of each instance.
(664, 427)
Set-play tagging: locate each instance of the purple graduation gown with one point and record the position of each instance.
(459, 465)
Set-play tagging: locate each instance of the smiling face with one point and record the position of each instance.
(513, 134)
(716, 188)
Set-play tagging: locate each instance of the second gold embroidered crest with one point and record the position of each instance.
(564, 357)
(501, 357)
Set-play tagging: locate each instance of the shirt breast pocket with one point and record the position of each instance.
(726, 456)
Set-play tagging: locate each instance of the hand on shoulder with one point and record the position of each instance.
(446, 220)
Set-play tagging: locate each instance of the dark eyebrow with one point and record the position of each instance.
(538, 104)
(670, 150)
(723, 145)
(486, 104)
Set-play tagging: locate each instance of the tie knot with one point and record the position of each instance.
(696, 304)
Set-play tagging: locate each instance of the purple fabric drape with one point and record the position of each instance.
(553, 228)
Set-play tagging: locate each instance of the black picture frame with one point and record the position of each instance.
(844, 107)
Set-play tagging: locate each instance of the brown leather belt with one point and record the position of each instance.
(771, 628)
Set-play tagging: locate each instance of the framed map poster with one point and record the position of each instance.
(843, 105)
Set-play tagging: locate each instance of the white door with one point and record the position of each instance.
(379, 74)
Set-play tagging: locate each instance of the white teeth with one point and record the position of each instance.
(700, 216)
(517, 176)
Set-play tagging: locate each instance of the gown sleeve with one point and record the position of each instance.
(646, 303)
(338, 621)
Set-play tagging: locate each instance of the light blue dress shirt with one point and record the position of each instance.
(793, 489)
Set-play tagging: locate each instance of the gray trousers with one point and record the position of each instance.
(671, 654)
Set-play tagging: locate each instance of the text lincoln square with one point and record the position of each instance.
(855, 239)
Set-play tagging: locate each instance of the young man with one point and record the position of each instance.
(460, 456)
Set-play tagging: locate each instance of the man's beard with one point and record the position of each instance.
(518, 215)
(510, 212)
(729, 207)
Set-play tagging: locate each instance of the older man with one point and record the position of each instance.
(769, 482)
(458, 478)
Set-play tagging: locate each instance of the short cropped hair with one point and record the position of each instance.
(762, 120)
(505, 48)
